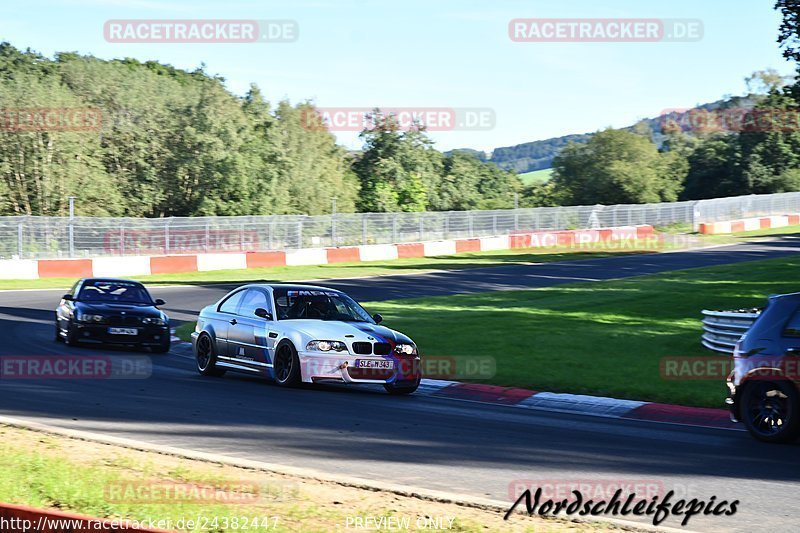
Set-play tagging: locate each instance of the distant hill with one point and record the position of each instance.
(538, 155)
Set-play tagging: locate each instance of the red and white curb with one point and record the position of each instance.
(578, 404)
(749, 224)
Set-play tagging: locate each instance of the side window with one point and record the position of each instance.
(252, 301)
(793, 326)
(230, 305)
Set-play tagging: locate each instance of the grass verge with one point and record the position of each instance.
(48, 471)
(601, 338)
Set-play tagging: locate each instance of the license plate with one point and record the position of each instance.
(123, 331)
(374, 363)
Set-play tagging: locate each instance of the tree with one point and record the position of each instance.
(398, 171)
(789, 32)
(618, 167)
(714, 169)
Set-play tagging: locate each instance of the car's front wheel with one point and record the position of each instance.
(163, 347)
(771, 410)
(286, 365)
(205, 356)
(70, 338)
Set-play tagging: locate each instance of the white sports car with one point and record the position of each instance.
(302, 333)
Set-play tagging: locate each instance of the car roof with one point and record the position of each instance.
(290, 286)
(111, 280)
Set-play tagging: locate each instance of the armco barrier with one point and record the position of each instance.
(23, 519)
(749, 224)
(169, 264)
(722, 329)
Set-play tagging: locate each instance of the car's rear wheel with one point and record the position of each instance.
(286, 365)
(770, 410)
(205, 356)
(402, 388)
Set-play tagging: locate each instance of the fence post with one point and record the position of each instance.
(421, 228)
(270, 230)
(446, 226)
(207, 242)
(469, 223)
(19, 240)
(394, 228)
(166, 237)
(72, 226)
(299, 233)
(494, 224)
(363, 229)
(122, 238)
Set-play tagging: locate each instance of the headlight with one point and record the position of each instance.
(82, 317)
(326, 346)
(405, 349)
(153, 321)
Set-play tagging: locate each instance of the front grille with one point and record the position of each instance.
(119, 320)
(370, 373)
(362, 348)
(382, 348)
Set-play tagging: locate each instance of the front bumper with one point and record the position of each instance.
(317, 367)
(732, 400)
(98, 334)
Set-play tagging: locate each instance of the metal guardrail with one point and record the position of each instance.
(722, 329)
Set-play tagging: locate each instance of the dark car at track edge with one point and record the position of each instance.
(112, 311)
(764, 385)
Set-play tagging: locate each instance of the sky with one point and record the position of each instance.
(441, 54)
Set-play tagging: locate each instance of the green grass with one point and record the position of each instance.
(536, 177)
(184, 331)
(343, 270)
(104, 481)
(600, 338)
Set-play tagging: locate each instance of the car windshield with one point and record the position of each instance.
(318, 304)
(114, 292)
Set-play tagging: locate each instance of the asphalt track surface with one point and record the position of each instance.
(421, 441)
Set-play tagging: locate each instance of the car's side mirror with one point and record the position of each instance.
(263, 313)
(67, 297)
(377, 318)
(159, 301)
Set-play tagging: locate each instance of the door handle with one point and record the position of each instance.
(233, 322)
